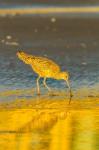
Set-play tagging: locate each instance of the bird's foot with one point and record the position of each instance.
(38, 93)
(70, 99)
(71, 94)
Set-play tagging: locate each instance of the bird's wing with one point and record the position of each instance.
(46, 64)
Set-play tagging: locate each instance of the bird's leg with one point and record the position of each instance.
(38, 87)
(69, 88)
(44, 82)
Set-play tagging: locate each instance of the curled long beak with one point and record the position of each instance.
(68, 84)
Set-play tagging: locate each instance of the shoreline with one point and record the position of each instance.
(51, 102)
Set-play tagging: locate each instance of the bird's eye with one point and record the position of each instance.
(66, 76)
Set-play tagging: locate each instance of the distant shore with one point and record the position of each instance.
(48, 10)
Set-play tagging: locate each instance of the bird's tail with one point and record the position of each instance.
(26, 58)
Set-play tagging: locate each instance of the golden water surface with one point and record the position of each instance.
(49, 125)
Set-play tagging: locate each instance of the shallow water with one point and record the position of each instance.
(71, 43)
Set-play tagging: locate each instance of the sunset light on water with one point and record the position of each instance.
(66, 35)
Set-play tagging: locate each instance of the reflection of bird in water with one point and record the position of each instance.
(45, 68)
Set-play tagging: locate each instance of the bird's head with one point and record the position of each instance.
(24, 57)
(64, 76)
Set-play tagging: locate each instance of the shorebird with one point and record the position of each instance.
(45, 68)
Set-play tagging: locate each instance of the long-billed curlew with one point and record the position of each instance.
(45, 68)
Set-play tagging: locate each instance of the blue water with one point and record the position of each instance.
(73, 44)
(83, 71)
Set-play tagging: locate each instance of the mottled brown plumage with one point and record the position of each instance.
(44, 67)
